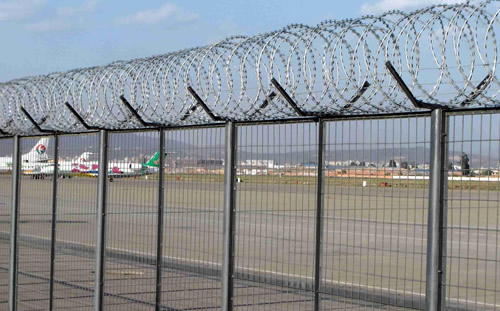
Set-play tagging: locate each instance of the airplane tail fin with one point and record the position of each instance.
(38, 152)
(84, 157)
(154, 161)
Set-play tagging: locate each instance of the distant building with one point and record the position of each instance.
(210, 163)
(258, 163)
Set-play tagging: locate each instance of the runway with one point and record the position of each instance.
(374, 242)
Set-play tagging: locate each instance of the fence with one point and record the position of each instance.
(353, 164)
(366, 213)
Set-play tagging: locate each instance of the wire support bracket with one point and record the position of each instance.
(201, 103)
(416, 102)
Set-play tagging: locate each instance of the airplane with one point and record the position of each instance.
(115, 169)
(67, 168)
(34, 161)
(127, 169)
(5, 164)
(31, 162)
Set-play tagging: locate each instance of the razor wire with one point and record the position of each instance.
(446, 54)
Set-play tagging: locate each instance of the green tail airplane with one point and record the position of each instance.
(155, 160)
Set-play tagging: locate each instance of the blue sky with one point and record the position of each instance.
(41, 36)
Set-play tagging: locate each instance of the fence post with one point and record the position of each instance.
(101, 221)
(319, 214)
(53, 222)
(437, 186)
(159, 238)
(229, 216)
(14, 222)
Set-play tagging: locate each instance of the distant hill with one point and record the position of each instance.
(143, 145)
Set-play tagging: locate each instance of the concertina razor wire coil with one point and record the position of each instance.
(446, 54)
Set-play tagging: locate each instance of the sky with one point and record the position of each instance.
(42, 36)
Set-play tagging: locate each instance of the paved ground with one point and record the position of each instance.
(374, 240)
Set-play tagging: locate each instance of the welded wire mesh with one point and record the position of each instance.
(6, 148)
(192, 233)
(375, 213)
(366, 226)
(374, 197)
(374, 216)
(132, 208)
(275, 216)
(35, 217)
(75, 222)
(472, 275)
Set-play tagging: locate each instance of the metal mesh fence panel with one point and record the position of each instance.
(6, 146)
(472, 274)
(192, 234)
(35, 216)
(131, 221)
(371, 233)
(375, 214)
(275, 216)
(346, 224)
(75, 222)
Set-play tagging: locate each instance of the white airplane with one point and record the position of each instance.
(67, 168)
(129, 169)
(31, 162)
(91, 168)
(5, 164)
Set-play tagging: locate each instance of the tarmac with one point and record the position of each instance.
(373, 255)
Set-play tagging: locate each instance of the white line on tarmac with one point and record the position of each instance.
(281, 274)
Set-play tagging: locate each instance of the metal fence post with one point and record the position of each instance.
(437, 184)
(319, 214)
(229, 216)
(159, 238)
(53, 222)
(14, 223)
(101, 221)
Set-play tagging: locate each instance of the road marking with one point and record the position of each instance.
(281, 274)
